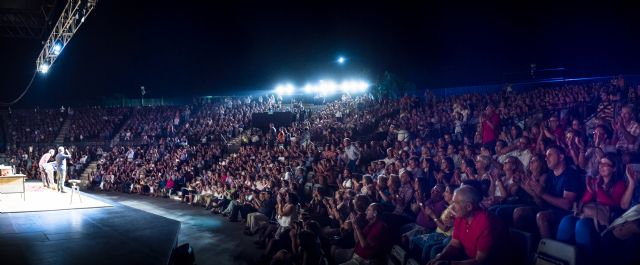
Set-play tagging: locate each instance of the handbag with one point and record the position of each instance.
(600, 214)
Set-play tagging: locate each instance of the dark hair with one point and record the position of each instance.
(432, 167)
(471, 164)
(606, 130)
(361, 202)
(307, 239)
(567, 159)
(617, 167)
(449, 162)
(293, 198)
(480, 185)
(423, 185)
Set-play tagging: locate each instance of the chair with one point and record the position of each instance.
(412, 262)
(554, 252)
(522, 246)
(397, 256)
(75, 189)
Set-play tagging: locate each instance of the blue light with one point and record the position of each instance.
(57, 48)
(44, 68)
(341, 60)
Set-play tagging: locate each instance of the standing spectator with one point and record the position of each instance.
(490, 123)
(353, 154)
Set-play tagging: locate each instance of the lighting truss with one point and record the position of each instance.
(72, 17)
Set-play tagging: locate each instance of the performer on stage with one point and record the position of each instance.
(61, 166)
(43, 160)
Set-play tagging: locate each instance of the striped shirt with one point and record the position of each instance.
(634, 129)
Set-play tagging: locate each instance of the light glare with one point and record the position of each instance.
(44, 68)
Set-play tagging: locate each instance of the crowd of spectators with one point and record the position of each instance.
(34, 125)
(95, 123)
(446, 179)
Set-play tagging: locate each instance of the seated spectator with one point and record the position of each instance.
(626, 131)
(477, 235)
(424, 209)
(599, 205)
(372, 241)
(559, 192)
(428, 245)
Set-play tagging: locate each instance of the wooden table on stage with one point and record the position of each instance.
(13, 184)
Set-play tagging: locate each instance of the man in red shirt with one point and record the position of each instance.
(490, 121)
(371, 241)
(477, 235)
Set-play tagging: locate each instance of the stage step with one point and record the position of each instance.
(84, 177)
(63, 131)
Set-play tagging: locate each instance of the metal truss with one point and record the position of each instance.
(26, 23)
(72, 17)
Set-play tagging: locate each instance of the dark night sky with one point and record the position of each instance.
(201, 48)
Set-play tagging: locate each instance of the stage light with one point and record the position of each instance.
(44, 68)
(57, 48)
(327, 87)
(362, 86)
(286, 89)
(341, 60)
(309, 89)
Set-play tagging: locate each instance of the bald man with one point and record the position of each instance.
(46, 181)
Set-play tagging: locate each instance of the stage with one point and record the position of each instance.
(111, 234)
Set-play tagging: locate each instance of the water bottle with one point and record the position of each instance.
(13, 170)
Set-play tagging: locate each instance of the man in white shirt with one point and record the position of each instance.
(352, 152)
(390, 159)
(522, 152)
(46, 181)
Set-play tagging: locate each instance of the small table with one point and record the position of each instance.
(13, 184)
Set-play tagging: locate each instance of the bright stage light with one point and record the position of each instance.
(286, 89)
(354, 86)
(341, 60)
(327, 87)
(57, 48)
(324, 88)
(44, 68)
(309, 89)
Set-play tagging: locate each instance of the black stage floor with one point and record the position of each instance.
(111, 235)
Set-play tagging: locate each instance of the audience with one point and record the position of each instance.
(344, 182)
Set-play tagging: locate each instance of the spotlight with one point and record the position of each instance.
(57, 48)
(341, 60)
(286, 89)
(327, 87)
(362, 86)
(44, 68)
(309, 89)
